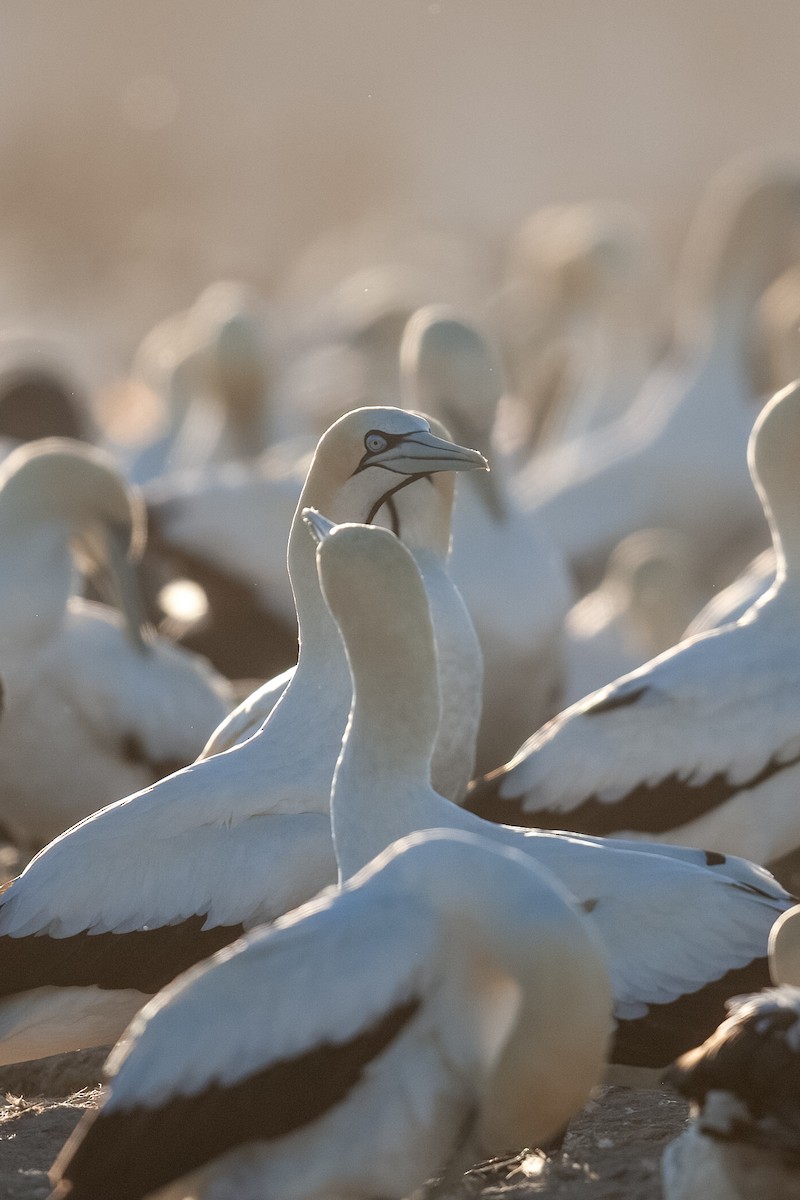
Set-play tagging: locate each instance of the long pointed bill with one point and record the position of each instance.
(420, 453)
(318, 526)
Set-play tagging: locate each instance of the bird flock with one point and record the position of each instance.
(405, 736)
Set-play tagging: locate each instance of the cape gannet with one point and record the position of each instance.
(702, 745)
(684, 930)
(578, 320)
(426, 533)
(210, 367)
(640, 608)
(450, 1002)
(676, 457)
(449, 369)
(115, 908)
(92, 708)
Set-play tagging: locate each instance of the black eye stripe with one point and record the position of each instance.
(389, 440)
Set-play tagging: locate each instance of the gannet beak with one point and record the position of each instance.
(318, 526)
(419, 453)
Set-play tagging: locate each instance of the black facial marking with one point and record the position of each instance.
(386, 498)
(389, 440)
(393, 516)
(131, 1153)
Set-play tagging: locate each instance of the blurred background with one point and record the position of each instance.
(150, 148)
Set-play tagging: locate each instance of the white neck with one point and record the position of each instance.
(36, 580)
(382, 783)
(773, 457)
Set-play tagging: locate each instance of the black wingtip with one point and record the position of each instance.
(614, 700)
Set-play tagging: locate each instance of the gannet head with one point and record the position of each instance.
(366, 462)
(55, 481)
(448, 368)
(232, 349)
(376, 466)
(390, 439)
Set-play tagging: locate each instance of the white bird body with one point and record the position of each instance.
(699, 1166)
(450, 998)
(580, 299)
(458, 654)
(249, 715)
(513, 578)
(743, 1142)
(702, 744)
(210, 367)
(91, 711)
(172, 873)
(517, 590)
(638, 610)
(458, 661)
(115, 719)
(645, 901)
(677, 456)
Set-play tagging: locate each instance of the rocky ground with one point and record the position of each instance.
(612, 1151)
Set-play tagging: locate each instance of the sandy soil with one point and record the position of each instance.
(611, 1152)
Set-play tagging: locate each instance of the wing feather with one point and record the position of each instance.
(663, 745)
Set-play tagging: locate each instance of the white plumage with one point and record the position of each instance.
(682, 929)
(577, 320)
(450, 1001)
(92, 710)
(702, 745)
(677, 456)
(210, 368)
(449, 369)
(784, 948)
(734, 600)
(638, 610)
(174, 872)
(423, 521)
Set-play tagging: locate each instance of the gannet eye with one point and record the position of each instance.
(375, 442)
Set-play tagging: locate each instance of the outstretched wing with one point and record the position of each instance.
(260, 1042)
(663, 746)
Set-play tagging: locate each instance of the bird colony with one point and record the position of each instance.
(403, 739)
